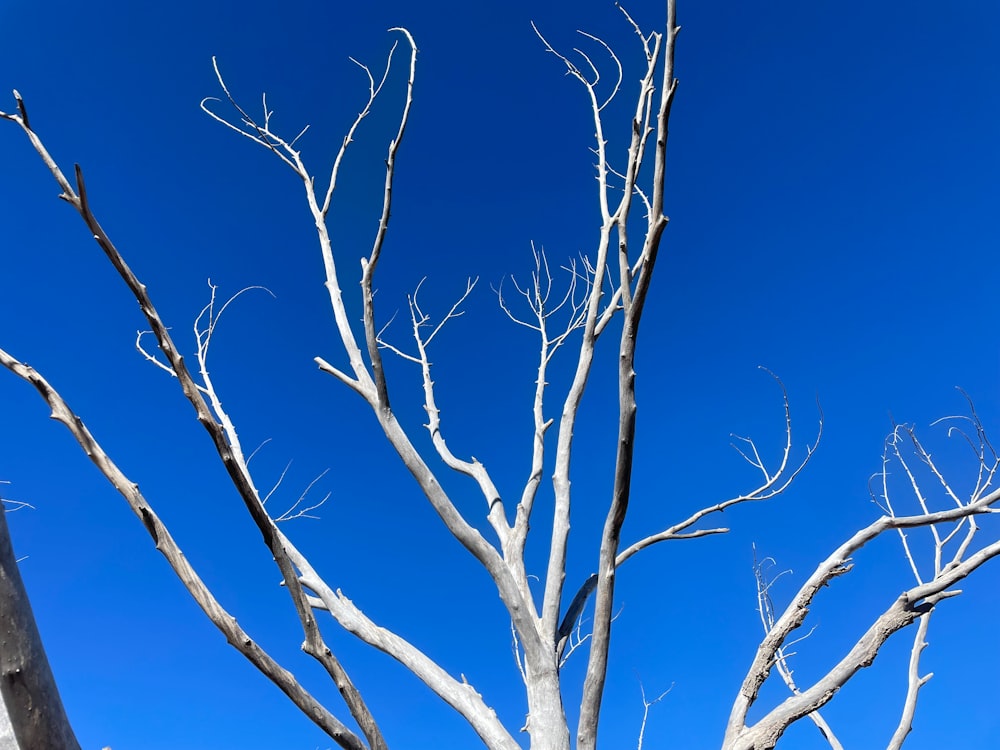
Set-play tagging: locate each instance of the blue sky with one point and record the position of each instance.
(832, 188)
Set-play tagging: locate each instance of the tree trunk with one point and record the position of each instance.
(546, 718)
(31, 712)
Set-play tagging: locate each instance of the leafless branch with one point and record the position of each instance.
(634, 288)
(646, 705)
(295, 511)
(573, 305)
(260, 134)
(914, 681)
(473, 469)
(577, 638)
(608, 285)
(914, 604)
(180, 564)
(765, 607)
(367, 378)
(12, 506)
(369, 264)
(373, 91)
(459, 694)
(274, 488)
(775, 481)
(223, 435)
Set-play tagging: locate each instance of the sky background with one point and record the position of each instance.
(832, 188)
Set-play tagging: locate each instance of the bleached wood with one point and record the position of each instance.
(605, 288)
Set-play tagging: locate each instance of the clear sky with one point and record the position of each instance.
(833, 190)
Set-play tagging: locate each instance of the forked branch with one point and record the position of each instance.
(765, 608)
(368, 378)
(951, 528)
(223, 436)
(180, 564)
(634, 288)
(775, 481)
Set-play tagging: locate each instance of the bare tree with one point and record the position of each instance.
(605, 292)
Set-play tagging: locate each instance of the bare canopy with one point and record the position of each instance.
(602, 295)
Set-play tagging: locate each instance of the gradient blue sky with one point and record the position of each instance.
(833, 193)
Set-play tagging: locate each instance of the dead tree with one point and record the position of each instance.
(606, 294)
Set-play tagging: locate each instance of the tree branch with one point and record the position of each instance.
(166, 545)
(224, 438)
